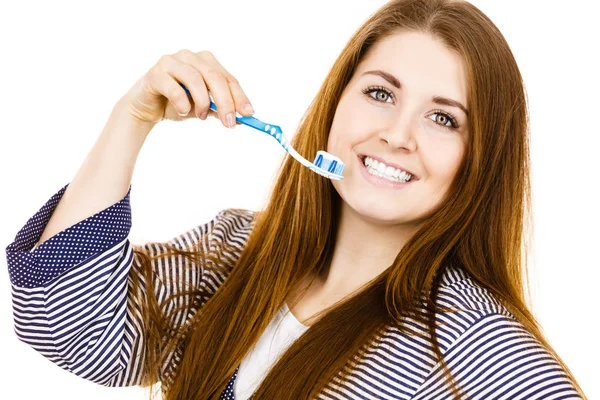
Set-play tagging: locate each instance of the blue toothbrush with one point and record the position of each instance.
(325, 164)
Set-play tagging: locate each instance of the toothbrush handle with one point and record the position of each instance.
(251, 121)
(273, 130)
(277, 134)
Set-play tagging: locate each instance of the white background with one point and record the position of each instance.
(67, 63)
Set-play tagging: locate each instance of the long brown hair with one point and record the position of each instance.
(484, 226)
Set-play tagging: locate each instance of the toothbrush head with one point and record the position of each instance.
(328, 165)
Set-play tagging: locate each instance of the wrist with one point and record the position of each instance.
(122, 115)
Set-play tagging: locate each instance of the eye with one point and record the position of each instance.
(445, 118)
(381, 94)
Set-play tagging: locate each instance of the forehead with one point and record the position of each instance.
(423, 65)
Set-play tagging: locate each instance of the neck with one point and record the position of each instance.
(364, 249)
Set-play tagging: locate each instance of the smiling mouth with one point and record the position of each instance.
(381, 180)
(363, 157)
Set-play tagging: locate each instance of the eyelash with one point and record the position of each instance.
(451, 117)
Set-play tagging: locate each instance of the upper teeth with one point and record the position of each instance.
(385, 170)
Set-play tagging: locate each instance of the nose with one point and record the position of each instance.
(400, 132)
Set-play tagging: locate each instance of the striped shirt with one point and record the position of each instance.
(73, 303)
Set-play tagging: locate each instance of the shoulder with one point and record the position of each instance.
(498, 356)
(479, 338)
(489, 330)
(468, 304)
(223, 236)
(229, 225)
(235, 221)
(459, 290)
(462, 304)
(220, 241)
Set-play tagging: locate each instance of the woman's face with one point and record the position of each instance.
(403, 126)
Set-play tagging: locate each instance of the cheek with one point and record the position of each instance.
(337, 132)
(347, 128)
(443, 159)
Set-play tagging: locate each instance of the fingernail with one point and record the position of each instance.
(204, 115)
(230, 120)
(248, 108)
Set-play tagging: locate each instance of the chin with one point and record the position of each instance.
(373, 212)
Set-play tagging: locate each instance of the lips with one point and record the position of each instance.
(389, 164)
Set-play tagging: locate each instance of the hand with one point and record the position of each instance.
(158, 95)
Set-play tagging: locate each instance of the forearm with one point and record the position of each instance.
(105, 175)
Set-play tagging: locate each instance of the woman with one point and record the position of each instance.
(360, 288)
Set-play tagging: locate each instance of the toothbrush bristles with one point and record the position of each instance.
(328, 165)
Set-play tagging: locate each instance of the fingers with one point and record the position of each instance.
(224, 87)
(242, 103)
(203, 76)
(181, 72)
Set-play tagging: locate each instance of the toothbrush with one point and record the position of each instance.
(325, 164)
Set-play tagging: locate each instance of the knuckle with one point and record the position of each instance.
(187, 56)
(175, 94)
(184, 52)
(164, 59)
(164, 63)
(205, 54)
(191, 59)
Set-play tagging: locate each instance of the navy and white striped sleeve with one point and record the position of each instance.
(72, 299)
(497, 358)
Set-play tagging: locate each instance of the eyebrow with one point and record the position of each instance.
(436, 99)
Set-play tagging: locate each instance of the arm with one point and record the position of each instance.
(72, 298)
(105, 175)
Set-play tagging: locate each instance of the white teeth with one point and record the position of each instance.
(380, 169)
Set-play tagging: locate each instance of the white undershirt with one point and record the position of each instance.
(283, 330)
